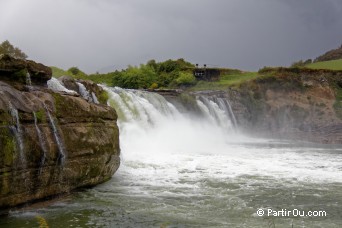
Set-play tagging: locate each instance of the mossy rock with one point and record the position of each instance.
(8, 147)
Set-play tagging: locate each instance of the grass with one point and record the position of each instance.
(226, 80)
(58, 72)
(330, 65)
(102, 78)
(97, 78)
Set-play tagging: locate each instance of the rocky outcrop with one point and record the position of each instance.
(14, 71)
(285, 103)
(86, 88)
(289, 103)
(51, 143)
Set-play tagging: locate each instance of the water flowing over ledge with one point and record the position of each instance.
(52, 140)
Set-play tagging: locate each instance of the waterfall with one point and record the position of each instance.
(28, 79)
(96, 101)
(41, 139)
(144, 108)
(84, 92)
(218, 110)
(149, 124)
(18, 132)
(58, 139)
(55, 85)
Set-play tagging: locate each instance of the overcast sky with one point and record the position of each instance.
(107, 34)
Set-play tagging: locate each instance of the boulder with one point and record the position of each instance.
(15, 71)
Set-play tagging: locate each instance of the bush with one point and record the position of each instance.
(74, 70)
(185, 78)
(154, 86)
(103, 98)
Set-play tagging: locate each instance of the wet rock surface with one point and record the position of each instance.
(51, 143)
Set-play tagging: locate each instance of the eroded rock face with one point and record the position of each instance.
(14, 70)
(52, 143)
(299, 105)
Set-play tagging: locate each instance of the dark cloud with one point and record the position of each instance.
(244, 34)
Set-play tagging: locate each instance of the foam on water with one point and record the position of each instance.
(178, 170)
(57, 86)
(154, 134)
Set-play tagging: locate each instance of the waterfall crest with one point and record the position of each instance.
(150, 124)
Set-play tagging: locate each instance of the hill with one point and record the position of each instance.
(329, 65)
(330, 55)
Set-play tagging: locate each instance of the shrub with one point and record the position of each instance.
(103, 98)
(185, 78)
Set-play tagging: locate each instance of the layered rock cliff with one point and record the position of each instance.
(289, 103)
(50, 142)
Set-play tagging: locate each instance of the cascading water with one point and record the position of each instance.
(95, 100)
(185, 170)
(218, 111)
(58, 139)
(28, 79)
(18, 132)
(41, 139)
(84, 92)
(55, 85)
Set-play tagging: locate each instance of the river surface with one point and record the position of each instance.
(180, 170)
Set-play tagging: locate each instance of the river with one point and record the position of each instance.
(184, 170)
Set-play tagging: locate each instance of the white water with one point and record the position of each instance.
(57, 86)
(42, 141)
(84, 92)
(58, 139)
(183, 171)
(28, 79)
(153, 133)
(18, 132)
(95, 100)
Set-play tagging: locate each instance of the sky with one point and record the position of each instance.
(103, 35)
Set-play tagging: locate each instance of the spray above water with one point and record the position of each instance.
(150, 124)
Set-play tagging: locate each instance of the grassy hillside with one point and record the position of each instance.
(58, 72)
(226, 80)
(329, 65)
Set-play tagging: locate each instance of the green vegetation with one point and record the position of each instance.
(329, 65)
(152, 75)
(72, 72)
(7, 48)
(103, 98)
(58, 72)
(233, 78)
(41, 117)
(20, 75)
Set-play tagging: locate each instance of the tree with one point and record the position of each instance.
(7, 48)
(74, 70)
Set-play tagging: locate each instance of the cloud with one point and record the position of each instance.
(108, 34)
